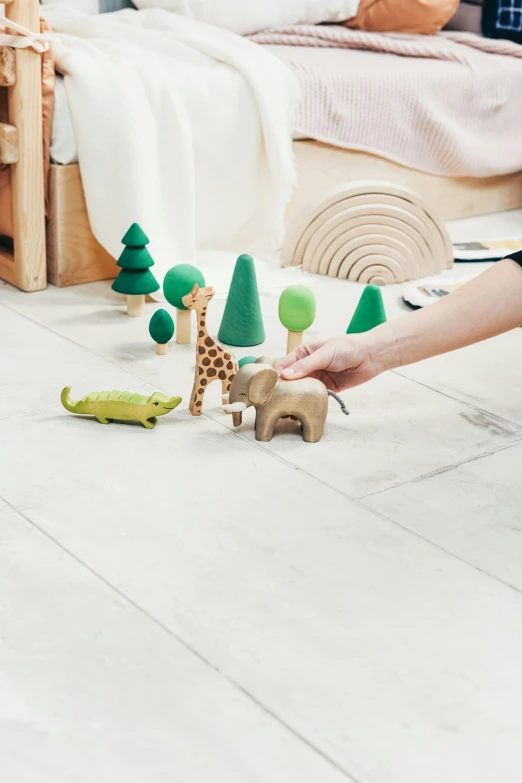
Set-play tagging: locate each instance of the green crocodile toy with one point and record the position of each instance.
(122, 406)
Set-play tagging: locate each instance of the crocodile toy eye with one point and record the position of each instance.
(155, 403)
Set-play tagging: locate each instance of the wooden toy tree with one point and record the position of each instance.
(296, 312)
(369, 312)
(161, 329)
(135, 279)
(242, 322)
(179, 281)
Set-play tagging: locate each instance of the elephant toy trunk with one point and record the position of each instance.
(237, 419)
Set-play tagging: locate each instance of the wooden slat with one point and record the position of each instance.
(7, 66)
(73, 254)
(27, 186)
(7, 266)
(9, 152)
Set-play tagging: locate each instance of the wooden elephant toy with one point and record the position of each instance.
(259, 385)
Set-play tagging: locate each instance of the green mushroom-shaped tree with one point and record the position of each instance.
(179, 281)
(369, 312)
(161, 329)
(135, 279)
(296, 313)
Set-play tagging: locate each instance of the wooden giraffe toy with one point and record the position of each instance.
(213, 362)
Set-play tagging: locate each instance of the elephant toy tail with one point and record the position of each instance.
(341, 403)
(67, 403)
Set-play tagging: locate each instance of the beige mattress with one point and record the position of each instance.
(444, 116)
(436, 115)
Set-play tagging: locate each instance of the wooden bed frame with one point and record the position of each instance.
(65, 249)
(21, 148)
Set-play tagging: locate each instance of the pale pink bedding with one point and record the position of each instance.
(450, 104)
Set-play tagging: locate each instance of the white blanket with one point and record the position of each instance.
(181, 127)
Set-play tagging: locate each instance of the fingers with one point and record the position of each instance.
(287, 361)
(312, 363)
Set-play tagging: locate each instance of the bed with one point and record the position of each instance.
(63, 248)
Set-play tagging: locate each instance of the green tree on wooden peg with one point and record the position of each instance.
(296, 312)
(135, 279)
(161, 329)
(242, 322)
(179, 281)
(369, 312)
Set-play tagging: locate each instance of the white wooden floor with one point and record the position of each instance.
(188, 605)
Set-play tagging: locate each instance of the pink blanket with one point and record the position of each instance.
(449, 104)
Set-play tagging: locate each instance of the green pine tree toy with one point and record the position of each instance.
(369, 312)
(179, 281)
(135, 279)
(242, 322)
(161, 329)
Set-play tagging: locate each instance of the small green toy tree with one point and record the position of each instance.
(179, 281)
(296, 312)
(242, 322)
(161, 329)
(369, 312)
(246, 360)
(135, 279)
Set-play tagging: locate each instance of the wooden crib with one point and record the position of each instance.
(23, 261)
(63, 248)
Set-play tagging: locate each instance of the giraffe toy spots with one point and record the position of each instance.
(213, 362)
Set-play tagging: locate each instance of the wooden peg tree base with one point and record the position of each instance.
(294, 339)
(135, 305)
(162, 350)
(183, 326)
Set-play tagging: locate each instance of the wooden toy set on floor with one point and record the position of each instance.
(250, 382)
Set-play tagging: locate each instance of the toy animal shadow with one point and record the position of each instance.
(258, 384)
(122, 406)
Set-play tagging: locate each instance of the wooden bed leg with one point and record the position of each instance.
(27, 268)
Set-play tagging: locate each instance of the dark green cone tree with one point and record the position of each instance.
(369, 312)
(242, 322)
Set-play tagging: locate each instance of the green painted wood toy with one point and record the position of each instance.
(135, 279)
(369, 312)
(242, 322)
(122, 406)
(296, 313)
(179, 281)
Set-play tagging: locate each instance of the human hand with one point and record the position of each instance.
(342, 362)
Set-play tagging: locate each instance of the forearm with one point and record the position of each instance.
(485, 307)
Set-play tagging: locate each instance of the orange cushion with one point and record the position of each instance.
(403, 16)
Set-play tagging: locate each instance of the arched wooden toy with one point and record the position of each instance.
(213, 362)
(259, 385)
(369, 232)
(122, 406)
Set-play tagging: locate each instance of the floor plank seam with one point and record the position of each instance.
(445, 469)
(206, 661)
(460, 400)
(359, 502)
(73, 342)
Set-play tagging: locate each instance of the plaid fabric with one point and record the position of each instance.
(503, 19)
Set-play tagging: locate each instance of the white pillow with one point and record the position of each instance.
(250, 16)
